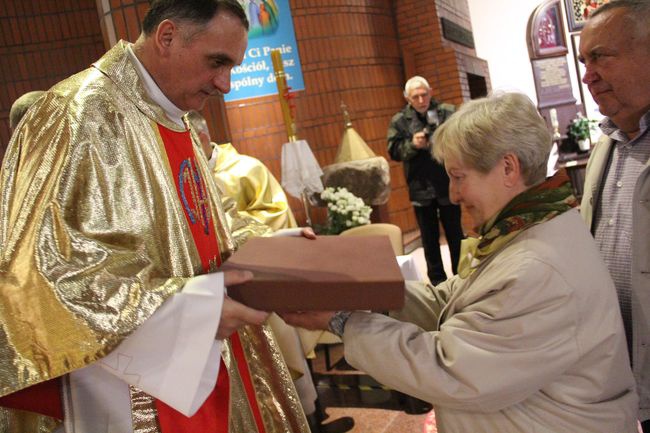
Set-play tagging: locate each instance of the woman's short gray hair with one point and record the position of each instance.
(482, 131)
(415, 83)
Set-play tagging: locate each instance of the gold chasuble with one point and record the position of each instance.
(97, 230)
(257, 192)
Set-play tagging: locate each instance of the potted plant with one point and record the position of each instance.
(579, 132)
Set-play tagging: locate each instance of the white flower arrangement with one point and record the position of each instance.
(344, 210)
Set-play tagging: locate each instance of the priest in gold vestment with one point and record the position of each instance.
(259, 193)
(112, 233)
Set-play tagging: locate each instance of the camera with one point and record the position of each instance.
(433, 121)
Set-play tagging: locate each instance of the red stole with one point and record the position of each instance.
(43, 398)
(193, 195)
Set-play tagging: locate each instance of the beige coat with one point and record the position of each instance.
(531, 342)
(640, 261)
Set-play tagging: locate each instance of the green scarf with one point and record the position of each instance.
(533, 206)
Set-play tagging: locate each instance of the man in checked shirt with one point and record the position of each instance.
(615, 48)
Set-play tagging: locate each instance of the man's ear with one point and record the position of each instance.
(165, 34)
(511, 169)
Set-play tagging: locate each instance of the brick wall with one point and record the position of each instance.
(445, 64)
(358, 52)
(41, 43)
(120, 19)
(349, 53)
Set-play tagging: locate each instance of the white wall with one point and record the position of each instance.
(499, 28)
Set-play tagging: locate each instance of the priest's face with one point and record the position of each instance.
(198, 60)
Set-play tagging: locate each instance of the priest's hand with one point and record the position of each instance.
(314, 320)
(305, 232)
(234, 315)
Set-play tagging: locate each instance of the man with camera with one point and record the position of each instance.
(409, 141)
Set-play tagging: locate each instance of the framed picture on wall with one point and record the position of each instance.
(577, 12)
(546, 32)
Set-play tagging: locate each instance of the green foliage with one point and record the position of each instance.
(579, 129)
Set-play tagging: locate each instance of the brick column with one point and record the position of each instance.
(427, 53)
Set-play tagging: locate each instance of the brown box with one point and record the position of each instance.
(329, 273)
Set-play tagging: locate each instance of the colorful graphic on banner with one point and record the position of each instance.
(271, 27)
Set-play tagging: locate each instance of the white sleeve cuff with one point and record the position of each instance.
(173, 355)
(296, 231)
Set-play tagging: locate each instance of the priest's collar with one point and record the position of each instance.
(174, 113)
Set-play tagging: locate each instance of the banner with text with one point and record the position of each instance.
(271, 26)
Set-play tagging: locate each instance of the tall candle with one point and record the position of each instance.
(553, 114)
(281, 81)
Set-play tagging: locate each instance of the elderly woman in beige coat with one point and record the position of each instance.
(528, 336)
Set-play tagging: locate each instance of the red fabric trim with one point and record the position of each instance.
(212, 416)
(193, 194)
(245, 374)
(43, 398)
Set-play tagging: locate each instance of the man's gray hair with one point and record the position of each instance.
(415, 83)
(486, 129)
(21, 105)
(636, 10)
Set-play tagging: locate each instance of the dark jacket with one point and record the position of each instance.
(425, 178)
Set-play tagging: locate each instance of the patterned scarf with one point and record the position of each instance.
(533, 206)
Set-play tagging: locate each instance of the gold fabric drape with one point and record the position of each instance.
(257, 192)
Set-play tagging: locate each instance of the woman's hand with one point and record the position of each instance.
(305, 232)
(314, 320)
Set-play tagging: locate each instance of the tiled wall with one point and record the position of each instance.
(42, 42)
